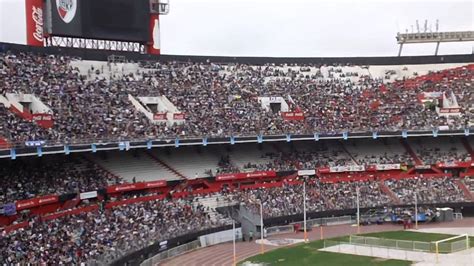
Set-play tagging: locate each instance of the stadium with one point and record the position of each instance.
(113, 153)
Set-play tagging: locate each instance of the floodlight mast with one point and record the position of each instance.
(433, 37)
(437, 37)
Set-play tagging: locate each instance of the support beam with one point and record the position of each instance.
(400, 50)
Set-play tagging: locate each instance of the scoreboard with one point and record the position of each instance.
(130, 21)
(120, 20)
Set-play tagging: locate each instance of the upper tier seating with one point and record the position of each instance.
(223, 99)
(134, 164)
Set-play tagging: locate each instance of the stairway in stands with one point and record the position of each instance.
(410, 151)
(165, 165)
(211, 202)
(389, 192)
(348, 153)
(97, 164)
(467, 193)
(468, 147)
(71, 203)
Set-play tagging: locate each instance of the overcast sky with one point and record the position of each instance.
(289, 27)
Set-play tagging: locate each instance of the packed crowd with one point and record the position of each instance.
(469, 181)
(434, 155)
(428, 190)
(288, 200)
(219, 100)
(102, 236)
(107, 234)
(59, 175)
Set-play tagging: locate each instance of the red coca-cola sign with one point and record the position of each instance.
(179, 116)
(34, 22)
(153, 46)
(292, 115)
(43, 120)
(159, 116)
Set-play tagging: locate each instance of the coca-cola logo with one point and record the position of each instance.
(122, 188)
(26, 204)
(179, 116)
(45, 200)
(155, 184)
(37, 15)
(66, 9)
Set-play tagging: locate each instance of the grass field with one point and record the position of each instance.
(309, 254)
(416, 236)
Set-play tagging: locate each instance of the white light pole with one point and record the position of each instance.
(262, 250)
(358, 210)
(416, 211)
(304, 210)
(233, 231)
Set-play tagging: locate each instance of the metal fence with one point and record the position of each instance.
(275, 230)
(172, 252)
(443, 247)
(403, 250)
(347, 219)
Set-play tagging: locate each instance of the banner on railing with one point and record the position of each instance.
(43, 120)
(34, 143)
(347, 168)
(88, 195)
(35, 202)
(179, 116)
(292, 115)
(234, 176)
(306, 172)
(387, 166)
(449, 110)
(455, 164)
(159, 117)
(423, 167)
(324, 170)
(136, 186)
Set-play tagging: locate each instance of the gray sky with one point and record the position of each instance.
(289, 27)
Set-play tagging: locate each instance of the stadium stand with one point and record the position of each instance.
(110, 204)
(135, 165)
(430, 190)
(226, 99)
(191, 162)
(29, 178)
(102, 235)
(431, 151)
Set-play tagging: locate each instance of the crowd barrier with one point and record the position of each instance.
(281, 229)
(172, 252)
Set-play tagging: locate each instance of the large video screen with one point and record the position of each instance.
(122, 20)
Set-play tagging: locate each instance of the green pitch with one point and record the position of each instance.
(412, 236)
(309, 254)
(416, 236)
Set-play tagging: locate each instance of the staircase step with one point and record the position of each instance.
(166, 166)
(468, 147)
(410, 151)
(389, 192)
(467, 193)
